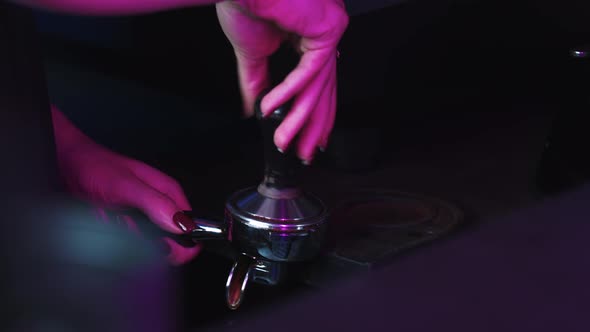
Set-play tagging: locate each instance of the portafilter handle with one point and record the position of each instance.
(207, 229)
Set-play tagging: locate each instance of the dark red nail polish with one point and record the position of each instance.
(184, 222)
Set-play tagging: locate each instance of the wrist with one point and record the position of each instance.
(67, 136)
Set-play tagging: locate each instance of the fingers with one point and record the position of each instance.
(253, 41)
(311, 64)
(157, 206)
(253, 77)
(130, 223)
(303, 106)
(101, 215)
(161, 182)
(317, 26)
(313, 133)
(113, 217)
(178, 254)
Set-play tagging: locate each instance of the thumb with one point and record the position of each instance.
(254, 78)
(177, 254)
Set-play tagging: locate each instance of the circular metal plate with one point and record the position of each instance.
(386, 212)
(369, 225)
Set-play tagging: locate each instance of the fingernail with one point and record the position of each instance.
(280, 150)
(164, 247)
(184, 222)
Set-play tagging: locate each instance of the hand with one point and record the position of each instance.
(112, 180)
(256, 29)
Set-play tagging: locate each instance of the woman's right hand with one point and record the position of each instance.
(256, 28)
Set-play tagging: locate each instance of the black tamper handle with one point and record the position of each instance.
(281, 168)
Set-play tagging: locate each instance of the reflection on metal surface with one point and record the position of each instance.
(374, 225)
(280, 230)
(267, 272)
(580, 52)
(207, 229)
(273, 213)
(237, 281)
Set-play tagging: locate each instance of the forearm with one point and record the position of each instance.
(111, 7)
(65, 132)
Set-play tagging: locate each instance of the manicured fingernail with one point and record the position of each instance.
(164, 247)
(184, 222)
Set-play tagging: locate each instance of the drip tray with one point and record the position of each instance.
(371, 226)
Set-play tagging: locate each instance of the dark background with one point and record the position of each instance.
(406, 60)
(448, 98)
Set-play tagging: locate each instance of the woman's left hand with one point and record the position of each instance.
(109, 180)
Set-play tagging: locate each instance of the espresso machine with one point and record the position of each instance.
(272, 227)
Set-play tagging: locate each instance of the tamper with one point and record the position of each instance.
(270, 225)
